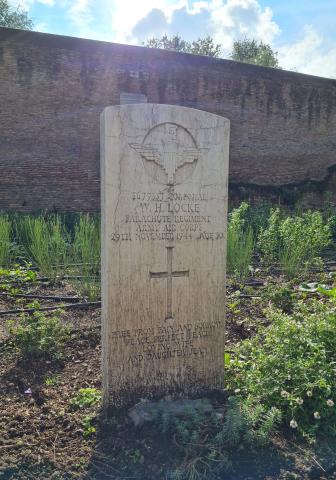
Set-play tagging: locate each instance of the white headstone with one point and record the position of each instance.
(164, 174)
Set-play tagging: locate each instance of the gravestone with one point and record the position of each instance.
(164, 174)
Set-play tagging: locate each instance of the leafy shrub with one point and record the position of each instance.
(37, 335)
(257, 216)
(240, 242)
(303, 239)
(86, 397)
(248, 423)
(295, 242)
(281, 296)
(290, 366)
(269, 241)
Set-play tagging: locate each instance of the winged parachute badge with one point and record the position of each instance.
(169, 148)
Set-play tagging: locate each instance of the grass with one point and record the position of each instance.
(240, 241)
(86, 253)
(5, 241)
(46, 243)
(240, 247)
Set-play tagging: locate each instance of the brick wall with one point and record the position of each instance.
(53, 88)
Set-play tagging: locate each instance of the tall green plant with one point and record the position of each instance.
(269, 241)
(5, 240)
(240, 242)
(303, 239)
(46, 243)
(86, 252)
(295, 242)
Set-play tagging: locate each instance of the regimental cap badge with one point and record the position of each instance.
(169, 153)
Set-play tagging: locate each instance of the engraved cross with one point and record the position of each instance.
(169, 274)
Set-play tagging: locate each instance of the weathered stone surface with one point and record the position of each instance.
(146, 411)
(164, 200)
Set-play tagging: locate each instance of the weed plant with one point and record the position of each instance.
(86, 252)
(37, 335)
(281, 296)
(290, 366)
(86, 397)
(207, 441)
(294, 242)
(269, 240)
(240, 242)
(304, 238)
(46, 243)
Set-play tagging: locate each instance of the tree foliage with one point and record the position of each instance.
(254, 52)
(247, 51)
(202, 46)
(11, 18)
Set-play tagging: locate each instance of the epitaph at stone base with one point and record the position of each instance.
(164, 205)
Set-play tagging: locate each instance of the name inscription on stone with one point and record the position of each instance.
(166, 216)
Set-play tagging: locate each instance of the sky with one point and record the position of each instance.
(303, 32)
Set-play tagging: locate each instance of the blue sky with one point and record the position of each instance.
(302, 31)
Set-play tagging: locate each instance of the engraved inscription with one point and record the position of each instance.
(169, 274)
(164, 341)
(170, 216)
(169, 153)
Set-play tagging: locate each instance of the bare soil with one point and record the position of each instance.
(42, 436)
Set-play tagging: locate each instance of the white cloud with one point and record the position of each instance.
(80, 13)
(309, 55)
(127, 13)
(225, 20)
(26, 4)
(236, 19)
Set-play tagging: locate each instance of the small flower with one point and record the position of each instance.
(317, 415)
(330, 403)
(237, 390)
(309, 393)
(299, 401)
(293, 424)
(284, 393)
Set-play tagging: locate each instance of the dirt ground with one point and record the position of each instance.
(43, 437)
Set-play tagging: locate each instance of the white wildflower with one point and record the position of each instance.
(299, 401)
(317, 415)
(284, 394)
(309, 393)
(330, 403)
(293, 424)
